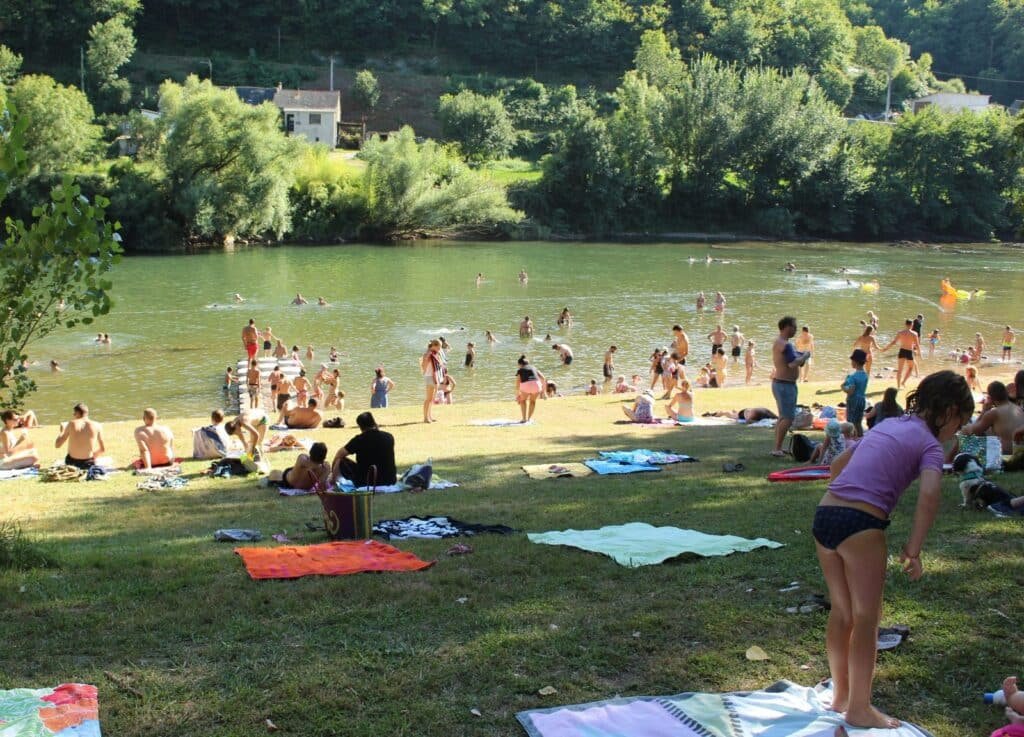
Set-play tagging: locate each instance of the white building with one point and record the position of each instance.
(952, 102)
(314, 114)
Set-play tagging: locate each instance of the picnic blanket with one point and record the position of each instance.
(603, 467)
(69, 710)
(784, 709)
(645, 457)
(435, 484)
(327, 559)
(19, 473)
(640, 544)
(557, 470)
(433, 528)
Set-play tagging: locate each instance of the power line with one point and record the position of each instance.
(973, 76)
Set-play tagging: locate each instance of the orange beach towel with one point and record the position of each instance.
(328, 559)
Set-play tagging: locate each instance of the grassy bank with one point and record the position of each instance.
(179, 640)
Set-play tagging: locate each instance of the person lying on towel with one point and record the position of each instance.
(371, 447)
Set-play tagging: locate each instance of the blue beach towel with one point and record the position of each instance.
(603, 467)
(645, 457)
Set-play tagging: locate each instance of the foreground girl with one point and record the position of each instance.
(849, 530)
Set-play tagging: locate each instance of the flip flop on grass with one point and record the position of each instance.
(733, 467)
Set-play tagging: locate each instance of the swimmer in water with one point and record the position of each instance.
(526, 328)
(479, 279)
(55, 368)
(279, 350)
(238, 297)
(321, 302)
(719, 302)
(309, 353)
(333, 355)
(490, 337)
(564, 319)
(790, 266)
(700, 302)
(524, 278)
(300, 300)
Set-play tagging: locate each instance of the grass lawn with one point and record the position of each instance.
(180, 641)
(509, 171)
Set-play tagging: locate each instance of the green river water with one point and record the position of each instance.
(175, 328)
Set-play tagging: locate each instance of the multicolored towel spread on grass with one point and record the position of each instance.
(433, 528)
(557, 470)
(782, 710)
(639, 544)
(605, 468)
(644, 456)
(328, 559)
(69, 710)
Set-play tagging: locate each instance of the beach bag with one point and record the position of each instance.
(207, 444)
(803, 420)
(348, 515)
(419, 476)
(801, 447)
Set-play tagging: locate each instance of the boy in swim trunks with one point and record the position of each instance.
(609, 363)
(250, 339)
(1008, 340)
(909, 344)
(736, 339)
(252, 380)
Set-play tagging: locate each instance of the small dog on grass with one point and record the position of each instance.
(978, 492)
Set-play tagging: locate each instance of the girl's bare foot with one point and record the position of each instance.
(870, 718)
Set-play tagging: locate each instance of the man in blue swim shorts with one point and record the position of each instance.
(787, 361)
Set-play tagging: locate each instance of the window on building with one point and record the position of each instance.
(314, 118)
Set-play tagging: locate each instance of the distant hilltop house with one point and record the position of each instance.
(312, 114)
(952, 102)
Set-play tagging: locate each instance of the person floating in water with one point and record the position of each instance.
(300, 300)
(239, 298)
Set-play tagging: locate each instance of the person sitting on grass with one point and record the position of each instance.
(837, 437)
(307, 471)
(301, 418)
(1002, 418)
(16, 448)
(156, 442)
(84, 438)
(680, 407)
(642, 409)
(371, 447)
(885, 409)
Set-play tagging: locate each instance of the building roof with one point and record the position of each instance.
(307, 99)
(255, 95)
(960, 96)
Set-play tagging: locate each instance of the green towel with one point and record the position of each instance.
(639, 544)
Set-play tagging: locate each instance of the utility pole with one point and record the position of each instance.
(279, 43)
(332, 73)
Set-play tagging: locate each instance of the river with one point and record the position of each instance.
(175, 328)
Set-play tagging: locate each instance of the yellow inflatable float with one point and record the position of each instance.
(870, 286)
(948, 290)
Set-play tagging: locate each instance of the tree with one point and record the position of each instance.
(413, 189)
(656, 59)
(10, 65)
(366, 90)
(480, 125)
(111, 45)
(880, 54)
(228, 164)
(53, 271)
(60, 133)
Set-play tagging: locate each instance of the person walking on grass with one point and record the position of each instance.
(787, 362)
(849, 531)
(530, 384)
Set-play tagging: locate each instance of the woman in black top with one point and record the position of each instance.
(530, 384)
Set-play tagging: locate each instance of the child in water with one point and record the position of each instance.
(849, 530)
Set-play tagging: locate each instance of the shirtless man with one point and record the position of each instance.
(680, 343)
(909, 345)
(609, 363)
(867, 343)
(279, 350)
(805, 344)
(524, 278)
(301, 418)
(526, 328)
(274, 379)
(300, 300)
(16, 448)
(321, 302)
(736, 339)
(302, 387)
(717, 338)
(156, 442)
(1002, 418)
(787, 362)
(700, 302)
(1008, 340)
(284, 391)
(564, 351)
(84, 438)
(268, 341)
(252, 382)
(250, 339)
(307, 471)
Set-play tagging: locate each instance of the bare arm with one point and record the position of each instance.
(147, 460)
(924, 516)
(979, 426)
(65, 432)
(894, 341)
(101, 447)
(335, 464)
(840, 463)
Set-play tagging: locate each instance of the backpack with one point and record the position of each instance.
(207, 444)
(801, 447)
(418, 477)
